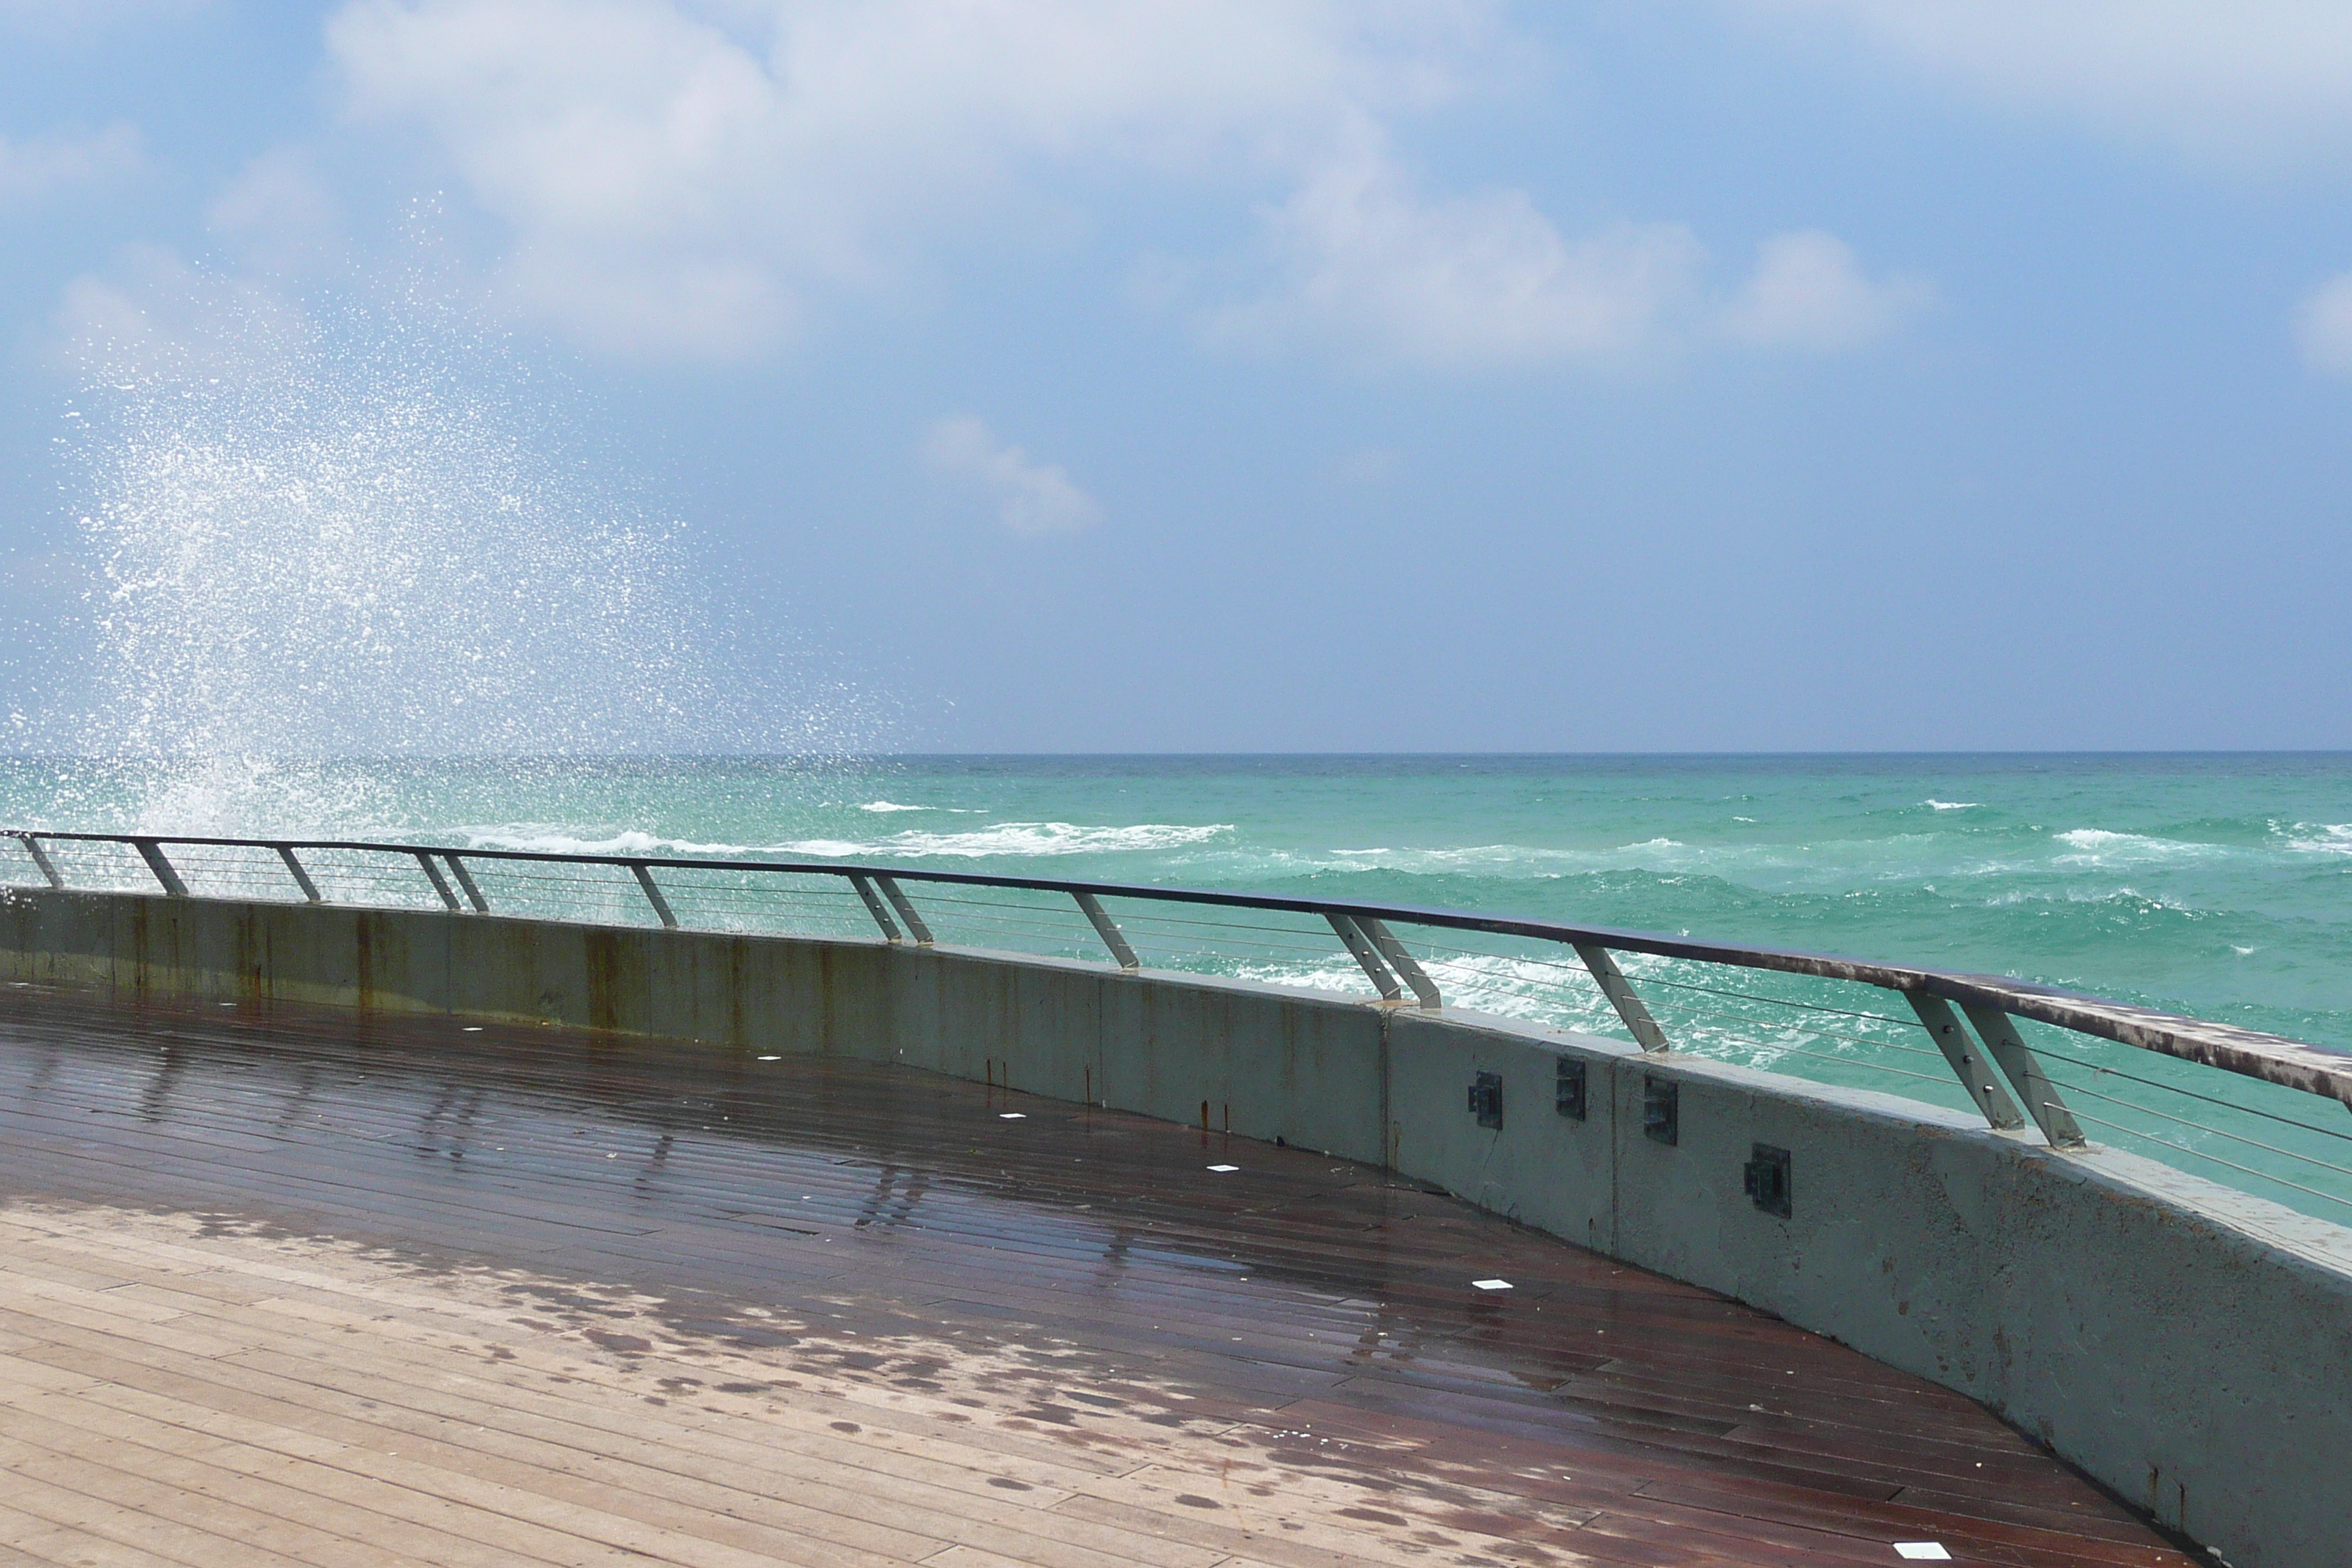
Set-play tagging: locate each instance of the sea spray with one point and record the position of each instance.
(355, 527)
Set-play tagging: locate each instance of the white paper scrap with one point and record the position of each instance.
(771, 1058)
(1492, 1284)
(1922, 1551)
(1013, 1116)
(1224, 1167)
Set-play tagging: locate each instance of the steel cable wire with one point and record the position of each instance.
(2201, 1154)
(2198, 1127)
(2065, 1054)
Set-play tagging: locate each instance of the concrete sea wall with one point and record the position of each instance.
(2189, 1345)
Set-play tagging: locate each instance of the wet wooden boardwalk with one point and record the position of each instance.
(289, 1289)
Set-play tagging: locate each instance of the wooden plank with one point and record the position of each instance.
(533, 1294)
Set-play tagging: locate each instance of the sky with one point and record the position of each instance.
(1242, 376)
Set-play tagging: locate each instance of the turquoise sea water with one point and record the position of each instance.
(2219, 885)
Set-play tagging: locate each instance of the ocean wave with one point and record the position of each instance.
(2123, 897)
(1503, 858)
(1010, 839)
(1955, 804)
(2099, 846)
(884, 806)
(1021, 838)
(534, 840)
(2322, 838)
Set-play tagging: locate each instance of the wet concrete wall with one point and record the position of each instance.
(2188, 1345)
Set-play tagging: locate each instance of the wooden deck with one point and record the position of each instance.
(286, 1288)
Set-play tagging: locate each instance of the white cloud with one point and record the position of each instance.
(677, 185)
(1381, 274)
(699, 179)
(1032, 499)
(151, 316)
(280, 212)
(2227, 80)
(39, 165)
(1807, 292)
(2323, 327)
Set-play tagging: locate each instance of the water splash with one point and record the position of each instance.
(368, 529)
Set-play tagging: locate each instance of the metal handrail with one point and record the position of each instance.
(1982, 1054)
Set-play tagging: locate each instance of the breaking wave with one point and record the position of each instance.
(2322, 838)
(1009, 839)
(1023, 838)
(629, 841)
(2098, 847)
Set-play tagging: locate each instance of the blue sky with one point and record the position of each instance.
(1712, 374)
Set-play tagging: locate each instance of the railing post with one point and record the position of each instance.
(1366, 954)
(152, 852)
(1108, 929)
(874, 906)
(466, 880)
(900, 902)
(1999, 1034)
(1424, 989)
(653, 894)
(302, 877)
(1620, 991)
(40, 858)
(1975, 1074)
(440, 883)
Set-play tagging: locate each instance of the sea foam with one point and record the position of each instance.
(1023, 839)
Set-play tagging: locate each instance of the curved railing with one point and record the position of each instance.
(1670, 993)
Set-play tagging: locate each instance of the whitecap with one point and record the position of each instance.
(2099, 846)
(1956, 805)
(1021, 838)
(884, 806)
(824, 849)
(537, 839)
(2322, 838)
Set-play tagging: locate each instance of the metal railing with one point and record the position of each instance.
(2223, 1101)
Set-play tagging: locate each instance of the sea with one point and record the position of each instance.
(2214, 885)
(389, 533)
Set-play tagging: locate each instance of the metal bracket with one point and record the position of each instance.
(1424, 989)
(1999, 1034)
(40, 858)
(1368, 955)
(1568, 1087)
(874, 907)
(301, 878)
(1486, 1099)
(1975, 1074)
(466, 880)
(1613, 985)
(1662, 1109)
(653, 894)
(440, 882)
(1764, 1178)
(899, 902)
(152, 852)
(1108, 929)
